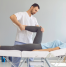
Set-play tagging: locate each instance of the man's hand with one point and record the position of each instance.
(22, 27)
(42, 29)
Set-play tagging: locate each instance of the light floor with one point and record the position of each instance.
(7, 64)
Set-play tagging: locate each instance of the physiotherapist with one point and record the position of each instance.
(22, 19)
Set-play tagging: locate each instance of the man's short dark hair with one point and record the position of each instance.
(36, 5)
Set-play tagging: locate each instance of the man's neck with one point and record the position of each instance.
(29, 13)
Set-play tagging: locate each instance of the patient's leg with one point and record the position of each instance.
(38, 37)
(25, 47)
(29, 47)
(6, 48)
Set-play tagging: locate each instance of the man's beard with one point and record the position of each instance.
(32, 13)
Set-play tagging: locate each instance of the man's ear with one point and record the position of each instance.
(31, 7)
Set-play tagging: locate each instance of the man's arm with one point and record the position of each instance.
(14, 19)
(50, 49)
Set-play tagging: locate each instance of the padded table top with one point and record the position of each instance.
(44, 54)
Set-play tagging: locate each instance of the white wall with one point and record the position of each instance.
(51, 16)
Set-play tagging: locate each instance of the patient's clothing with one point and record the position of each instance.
(62, 46)
(28, 47)
(36, 43)
(38, 37)
(53, 44)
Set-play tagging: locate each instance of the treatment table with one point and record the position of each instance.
(34, 54)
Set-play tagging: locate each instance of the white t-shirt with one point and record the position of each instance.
(24, 35)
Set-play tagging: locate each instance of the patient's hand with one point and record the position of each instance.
(35, 50)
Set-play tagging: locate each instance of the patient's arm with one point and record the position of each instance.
(50, 49)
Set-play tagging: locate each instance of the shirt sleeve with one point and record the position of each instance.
(18, 15)
(62, 46)
(36, 23)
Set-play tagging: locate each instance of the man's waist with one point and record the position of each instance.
(24, 40)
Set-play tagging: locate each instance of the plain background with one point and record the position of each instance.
(51, 16)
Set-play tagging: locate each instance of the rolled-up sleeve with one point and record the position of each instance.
(18, 15)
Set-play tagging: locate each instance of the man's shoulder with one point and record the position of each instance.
(21, 12)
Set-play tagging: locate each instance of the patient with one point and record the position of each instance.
(37, 45)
